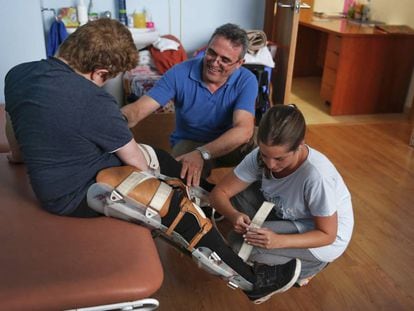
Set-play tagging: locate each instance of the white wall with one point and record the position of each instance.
(200, 18)
(328, 6)
(399, 12)
(192, 21)
(21, 35)
(23, 38)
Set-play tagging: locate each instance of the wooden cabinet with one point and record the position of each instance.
(330, 67)
(364, 70)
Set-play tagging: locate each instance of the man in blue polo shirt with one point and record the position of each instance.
(214, 99)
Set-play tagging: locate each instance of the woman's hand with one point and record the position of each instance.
(263, 237)
(240, 222)
(324, 234)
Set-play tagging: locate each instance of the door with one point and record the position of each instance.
(281, 26)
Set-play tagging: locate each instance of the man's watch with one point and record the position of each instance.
(205, 154)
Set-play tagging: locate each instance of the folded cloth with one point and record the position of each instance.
(164, 44)
(262, 57)
(57, 34)
(257, 40)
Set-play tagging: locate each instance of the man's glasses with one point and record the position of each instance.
(224, 61)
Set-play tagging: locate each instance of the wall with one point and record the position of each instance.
(328, 6)
(192, 21)
(21, 35)
(390, 12)
(399, 12)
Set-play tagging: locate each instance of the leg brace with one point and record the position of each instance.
(132, 195)
(198, 195)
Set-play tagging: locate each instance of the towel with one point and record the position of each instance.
(165, 60)
(262, 57)
(57, 34)
(164, 44)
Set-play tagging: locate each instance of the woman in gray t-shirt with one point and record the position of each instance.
(311, 218)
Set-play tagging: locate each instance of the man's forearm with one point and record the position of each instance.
(139, 109)
(129, 115)
(229, 141)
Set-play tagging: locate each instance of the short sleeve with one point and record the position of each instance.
(248, 89)
(104, 125)
(248, 169)
(320, 195)
(164, 90)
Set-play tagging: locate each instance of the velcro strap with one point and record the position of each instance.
(150, 156)
(133, 180)
(160, 196)
(257, 222)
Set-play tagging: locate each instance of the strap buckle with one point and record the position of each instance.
(116, 196)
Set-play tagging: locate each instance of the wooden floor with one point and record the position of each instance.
(376, 272)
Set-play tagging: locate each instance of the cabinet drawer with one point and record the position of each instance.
(327, 92)
(331, 60)
(329, 76)
(334, 44)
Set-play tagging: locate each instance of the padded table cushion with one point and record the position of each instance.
(50, 262)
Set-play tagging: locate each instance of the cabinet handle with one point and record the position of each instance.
(297, 6)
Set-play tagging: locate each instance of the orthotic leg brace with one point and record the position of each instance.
(136, 196)
(198, 195)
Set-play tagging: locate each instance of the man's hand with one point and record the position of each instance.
(192, 167)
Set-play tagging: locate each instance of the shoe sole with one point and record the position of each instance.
(284, 288)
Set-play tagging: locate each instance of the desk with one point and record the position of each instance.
(363, 70)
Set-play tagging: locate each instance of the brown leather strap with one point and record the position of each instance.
(186, 206)
(183, 209)
(175, 182)
(175, 222)
(206, 228)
